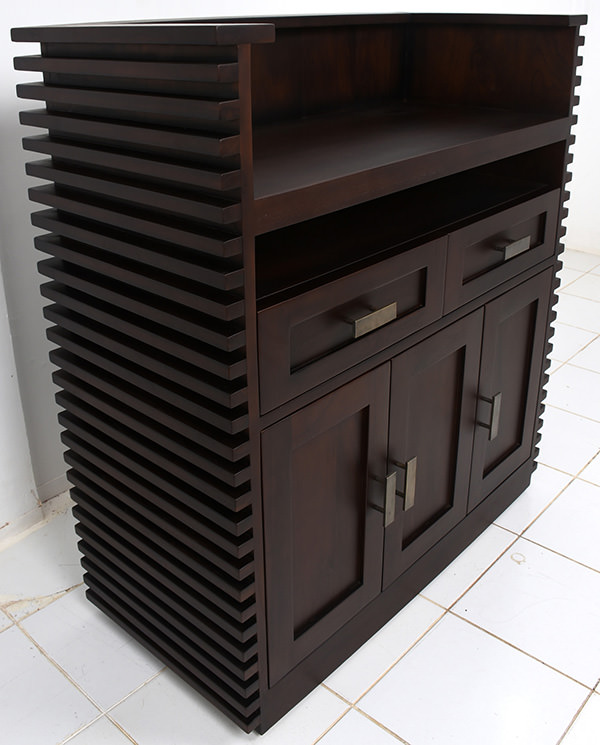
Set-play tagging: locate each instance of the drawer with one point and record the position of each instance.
(490, 251)
(307, 339)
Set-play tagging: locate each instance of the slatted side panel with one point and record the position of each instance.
(561, 232)
(145, 283)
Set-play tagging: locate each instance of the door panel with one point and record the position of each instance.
(432, 414)
(511, 364)
(322, 473)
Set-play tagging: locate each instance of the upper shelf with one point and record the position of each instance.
(312, 166)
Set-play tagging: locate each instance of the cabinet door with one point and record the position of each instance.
(323, 474)
(432, 416)
(511, 364)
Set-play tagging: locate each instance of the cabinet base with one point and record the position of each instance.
(279, 699)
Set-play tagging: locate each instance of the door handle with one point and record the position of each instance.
(391, 490)
(410, 482)
(389, 499)
(494, 423)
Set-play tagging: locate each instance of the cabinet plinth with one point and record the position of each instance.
(301, 274)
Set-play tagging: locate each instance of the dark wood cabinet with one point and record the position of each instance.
(511, 368)
(300, 279)
(322, 473)
(432, 418)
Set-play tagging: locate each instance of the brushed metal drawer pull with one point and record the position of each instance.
(511, 249)
(494, 425)
(410, 482)
(374, 320)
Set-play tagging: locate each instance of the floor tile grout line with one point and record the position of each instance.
(550, 503)
(81, 729)
(430, 600)
(574, 294)
(59, 596)
(581, 367)
(403, 655)
(121, 729)
(518, 649)
(554, 468)
(558, 553)
(569, 362)
(583, 272)
(575, 477)
(587, 481)
(155, 675)
(556, 308)
(336, 693)
(382, 726)
(336, 721)
(59, 668)
(486, 570)
(574, 413)
(103, 711)
(575, 717)
(581, 349)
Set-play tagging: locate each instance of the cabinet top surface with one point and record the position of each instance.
(259, 28)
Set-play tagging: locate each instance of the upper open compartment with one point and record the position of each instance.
(346, 113)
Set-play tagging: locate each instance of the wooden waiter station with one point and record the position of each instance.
(301, 273)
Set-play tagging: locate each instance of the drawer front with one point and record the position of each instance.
(491, 251)
(308, 339)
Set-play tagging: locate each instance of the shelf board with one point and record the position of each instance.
(307, 168)
(302, 256)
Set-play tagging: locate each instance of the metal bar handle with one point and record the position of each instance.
(410, 482)
(494, 425)
(389, 509)
(389, 500)
(374, 320)
(510, 249)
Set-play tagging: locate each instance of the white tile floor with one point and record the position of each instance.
(503, 647)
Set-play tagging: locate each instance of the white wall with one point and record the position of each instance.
(37, 416)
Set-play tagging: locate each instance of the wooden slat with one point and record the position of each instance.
(137, 581)
(139, 135)
(166, 532)
(135, 412)
(209, 309)
(83, 438)
(218, 588)
(116, 532)
(76, 374)
(86, 421)
(126, 557)
(114, 480)
(245, 715)
(218, 34)
(234, 675)
(101, 454)
(216, 273)
(230, 421)
(112, 415)
(191, 633)
(146, 165)
(99, 468)
(81, 99)
(182, 232)
(217, 72)
(226, 393)
(199, 207)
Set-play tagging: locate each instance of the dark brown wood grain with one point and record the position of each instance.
(511, 362)
(226, 197)
(323, 470)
